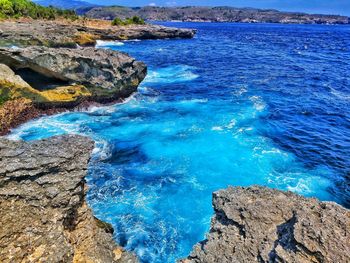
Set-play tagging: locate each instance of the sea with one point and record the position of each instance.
(237, 105)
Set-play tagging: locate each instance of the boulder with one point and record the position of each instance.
(258, 224)
(108, 75)
(43, 213)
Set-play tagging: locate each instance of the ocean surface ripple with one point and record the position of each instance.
(239, 104)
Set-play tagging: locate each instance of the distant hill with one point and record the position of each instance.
(214, 14)
(109, 12)
(66, 4)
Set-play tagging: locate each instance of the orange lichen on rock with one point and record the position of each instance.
(85, 39)
(63, 95)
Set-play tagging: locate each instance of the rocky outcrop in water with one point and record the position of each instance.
(82, 32)
(41, 78)
(43, 213)
(258, 224)
(106, 74)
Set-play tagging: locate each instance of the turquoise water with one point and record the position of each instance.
(237, 105)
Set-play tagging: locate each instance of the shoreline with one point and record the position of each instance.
(54, 180)
(37, 113)
(78, 235)
(86, 238)
(247, 23)
(63, 33)
(216, 14)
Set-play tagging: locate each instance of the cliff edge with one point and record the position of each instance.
(258, 224)
(43, 213)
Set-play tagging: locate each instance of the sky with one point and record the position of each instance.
(310, 6)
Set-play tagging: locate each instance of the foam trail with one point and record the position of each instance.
(108, 44)
(171, 74)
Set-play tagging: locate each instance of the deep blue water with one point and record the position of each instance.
(240, 104)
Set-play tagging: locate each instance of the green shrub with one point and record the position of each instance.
(26, 8)
(128, 21)
(137, 20)
(117, 22)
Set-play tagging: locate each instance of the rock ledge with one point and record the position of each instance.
(258, 224)
(43, 213)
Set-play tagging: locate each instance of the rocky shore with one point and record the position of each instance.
(51, 69)
(43, 213)
(38, 80)
(80, 33)
(258, 224)
(44, 216)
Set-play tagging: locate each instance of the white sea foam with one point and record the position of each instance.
(229, 126)
(195, 101)
(103, 43)
(217, 128)
(14, 47)
(258, 102)
(49, 124)
(102, 149)
(172, 74)
(339, 94)
(241, 90)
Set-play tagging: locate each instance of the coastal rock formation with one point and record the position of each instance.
(83, 32)
(37, 80)
(258, 224)
(43, 213)
(106, 74)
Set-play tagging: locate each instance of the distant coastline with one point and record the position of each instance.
(211, 14)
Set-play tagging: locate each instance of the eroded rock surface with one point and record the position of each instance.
(258, 224)
(81, 32)
(107, 74)
(43, 213)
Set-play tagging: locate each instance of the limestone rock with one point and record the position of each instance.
(258, 224)
(8, 76)
(84, 32)
(106, 73)
(43, 213)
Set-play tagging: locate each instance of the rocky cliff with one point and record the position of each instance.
(214, 14)
(37, 80)
(102, 74)
(43, 213)
(258, 224)
(83, 32)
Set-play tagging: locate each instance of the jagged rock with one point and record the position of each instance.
(56, 79)
(258, 224)
(43, 213)
(143, 32)
(83, 32)
(107, 74)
